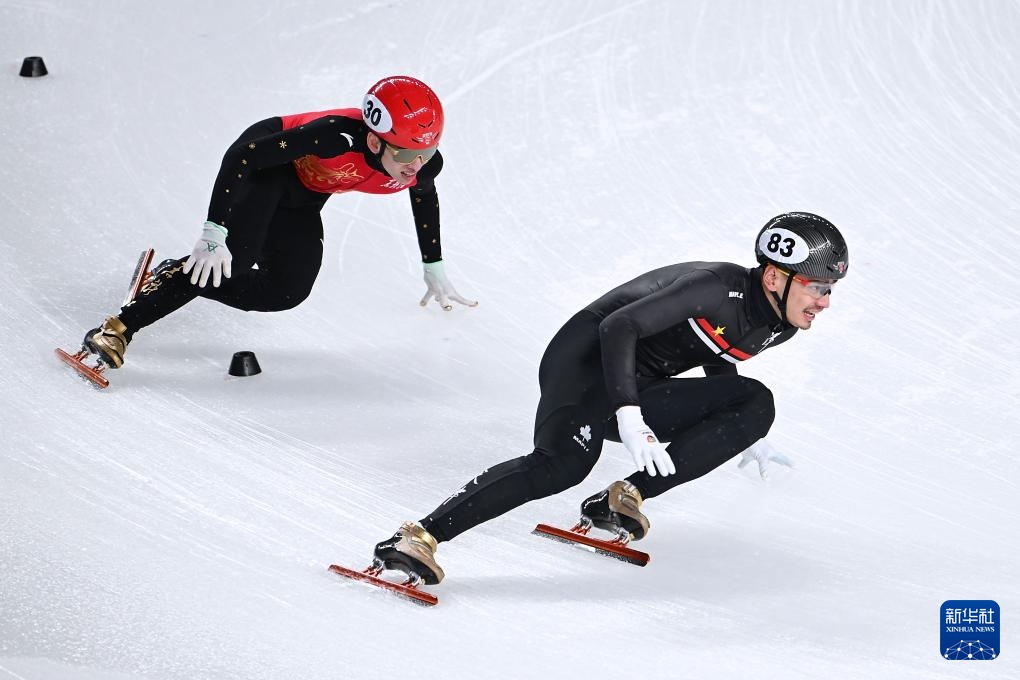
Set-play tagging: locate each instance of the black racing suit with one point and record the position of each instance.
(273, 220)
(623, 349)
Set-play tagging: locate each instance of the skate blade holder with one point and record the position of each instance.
(578, 535)
(94, 374)
(378, 566)
(408, 590)
(584, 525)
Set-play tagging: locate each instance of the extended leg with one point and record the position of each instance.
(568, 445)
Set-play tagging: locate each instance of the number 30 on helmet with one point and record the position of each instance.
(404, 112)
(803, 243)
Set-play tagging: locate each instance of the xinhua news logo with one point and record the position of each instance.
(970, 630)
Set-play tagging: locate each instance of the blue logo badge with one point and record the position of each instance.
(970, 630)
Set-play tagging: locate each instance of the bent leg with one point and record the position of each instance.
(288, 264)
(284, 240)
(171, 289)
(707, 422)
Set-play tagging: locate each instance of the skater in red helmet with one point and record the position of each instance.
(261, 247)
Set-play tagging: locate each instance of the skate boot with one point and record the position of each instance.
(412, 551)
(164, 265)
(616, 509)
(109, 341)
(155, 278)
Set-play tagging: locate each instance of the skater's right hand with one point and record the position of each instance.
(648, 452)
(210, 256)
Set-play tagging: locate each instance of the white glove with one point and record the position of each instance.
(648, 452)
(210, 255)
(440, 288)
(762, 452)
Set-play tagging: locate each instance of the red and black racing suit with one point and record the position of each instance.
(271, 187)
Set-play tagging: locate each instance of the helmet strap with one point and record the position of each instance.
(781, 300)
(375, 159)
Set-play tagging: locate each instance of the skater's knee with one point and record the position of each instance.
(764, 401)
(759, 407)
(574, 475)
(280, 293)
(557, 472)
(290, 300)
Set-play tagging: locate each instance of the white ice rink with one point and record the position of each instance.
(178, 525)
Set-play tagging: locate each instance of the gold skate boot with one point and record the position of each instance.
(109, 341)
(411, 550)
(616, 509)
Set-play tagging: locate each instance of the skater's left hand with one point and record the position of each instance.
(763, 453)
(440, 288)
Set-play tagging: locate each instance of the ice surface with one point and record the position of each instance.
(179, 524)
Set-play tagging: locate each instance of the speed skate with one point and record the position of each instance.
(409, 589)
(87, 364)
(578, 535)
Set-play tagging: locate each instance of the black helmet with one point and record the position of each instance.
(803, 243)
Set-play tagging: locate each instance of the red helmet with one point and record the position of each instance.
(405, 112)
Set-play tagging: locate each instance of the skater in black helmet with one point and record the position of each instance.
(261, 246)
(607, 374)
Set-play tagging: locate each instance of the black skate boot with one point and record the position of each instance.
(616, 509)
(160, 273)
(109, 342)
(166, 265)
(412, 551)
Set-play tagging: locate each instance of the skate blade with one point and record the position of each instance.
(93, 375)
(141, 275)
(614, 549)
(408, 592)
